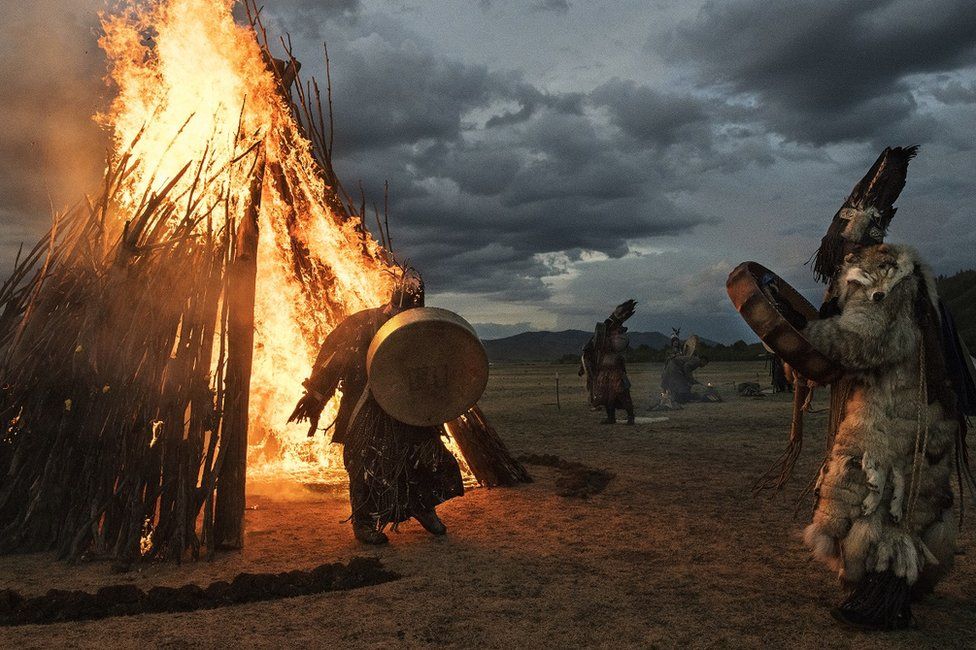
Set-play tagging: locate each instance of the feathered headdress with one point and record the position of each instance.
(864, 218)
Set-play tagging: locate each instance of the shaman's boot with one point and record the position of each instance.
(363, 524)
(366, 533)
(611, 416)
(431, 522)
(880, 601)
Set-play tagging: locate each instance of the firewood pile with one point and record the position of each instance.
(114, 368)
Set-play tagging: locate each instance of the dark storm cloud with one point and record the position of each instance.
(558, 6)
(955, 92)
(478, 169)
(481, 245)
(490, 174)
(531, 99)
(345, 7)
(392, 93)
(654, 117)
(555, 6)
(309, 13)
(826, 70)
(393, 88)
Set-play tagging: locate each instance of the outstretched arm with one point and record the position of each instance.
(327, 372)
(863, 336)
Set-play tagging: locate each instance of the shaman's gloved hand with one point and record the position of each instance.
(308, 408)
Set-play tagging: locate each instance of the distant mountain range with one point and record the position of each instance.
(958, 290)
(551, 346)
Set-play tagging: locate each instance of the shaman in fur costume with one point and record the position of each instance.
(883, 518)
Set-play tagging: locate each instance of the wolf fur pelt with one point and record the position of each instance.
(884, 494)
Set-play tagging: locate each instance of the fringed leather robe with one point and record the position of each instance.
(395, 469)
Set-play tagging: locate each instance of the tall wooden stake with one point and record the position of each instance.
(242, 278)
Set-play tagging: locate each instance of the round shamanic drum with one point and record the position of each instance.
(768, 304)
(427, 366)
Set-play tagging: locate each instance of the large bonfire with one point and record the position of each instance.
(131, 401)
(193, 85)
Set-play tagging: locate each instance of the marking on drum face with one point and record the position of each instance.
(424, 378)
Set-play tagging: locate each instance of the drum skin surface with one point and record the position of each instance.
(427, 366)
(746, 289)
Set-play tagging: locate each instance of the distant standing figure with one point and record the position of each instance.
(675, 345)
(611, 385)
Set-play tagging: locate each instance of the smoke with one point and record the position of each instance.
(51, 152)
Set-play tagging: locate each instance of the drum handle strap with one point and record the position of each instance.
(776, 476)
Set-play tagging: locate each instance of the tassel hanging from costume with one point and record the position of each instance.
(779, 473)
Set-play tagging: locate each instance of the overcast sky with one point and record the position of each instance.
(548, 159)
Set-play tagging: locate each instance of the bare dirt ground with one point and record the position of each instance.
(674, 552)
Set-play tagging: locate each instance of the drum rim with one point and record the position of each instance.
(748, 273)
(412, 318)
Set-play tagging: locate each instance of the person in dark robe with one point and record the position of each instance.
(603, 361)
(396, 471)
(611, 387)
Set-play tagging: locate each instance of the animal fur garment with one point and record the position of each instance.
(884, 495)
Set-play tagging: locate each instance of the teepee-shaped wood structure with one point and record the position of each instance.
(127, 334)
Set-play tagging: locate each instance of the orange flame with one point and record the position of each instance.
(192, 87)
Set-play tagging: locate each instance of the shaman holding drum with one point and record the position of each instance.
(901, 390)
(603, 364)
(397, 469)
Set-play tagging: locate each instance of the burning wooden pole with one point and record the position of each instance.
(484, 452)
(241, 284)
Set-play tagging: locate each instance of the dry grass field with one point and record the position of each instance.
(674, 552)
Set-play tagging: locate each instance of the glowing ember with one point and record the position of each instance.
(193, 88)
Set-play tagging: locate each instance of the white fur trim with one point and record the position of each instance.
(855, 274)
(823, 546)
